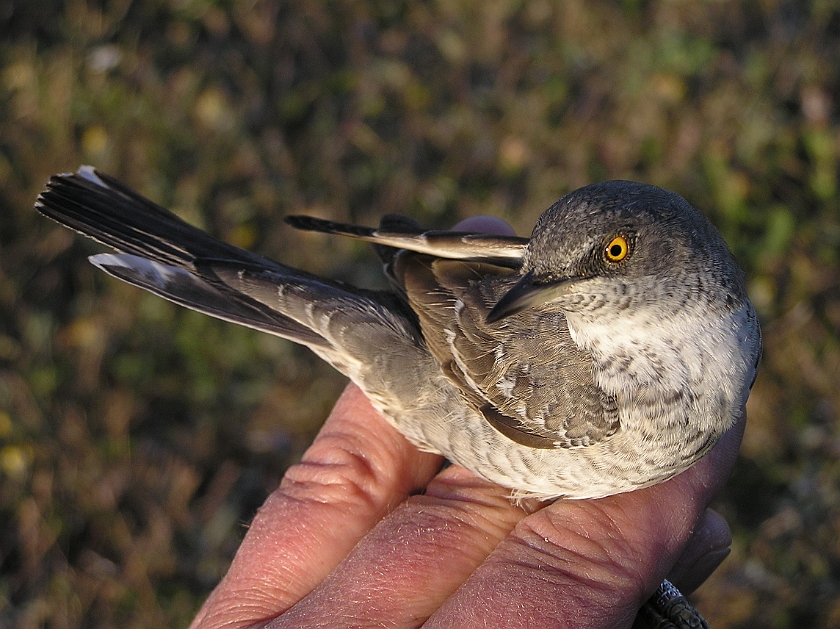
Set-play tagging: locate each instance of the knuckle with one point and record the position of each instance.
(335, 475)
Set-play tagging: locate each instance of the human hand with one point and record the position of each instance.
(347, 540)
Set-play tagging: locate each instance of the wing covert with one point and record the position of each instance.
(539, 394)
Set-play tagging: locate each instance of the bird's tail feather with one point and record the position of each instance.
(193, 291)
(172, 259)
(102, 208)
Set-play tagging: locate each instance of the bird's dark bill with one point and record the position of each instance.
(527, 293)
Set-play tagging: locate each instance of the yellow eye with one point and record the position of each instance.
(617, 249)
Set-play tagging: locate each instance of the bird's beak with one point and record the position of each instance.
(526, 293)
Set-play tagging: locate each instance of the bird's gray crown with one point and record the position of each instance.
(666, 236)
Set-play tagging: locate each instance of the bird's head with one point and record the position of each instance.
(620, 244)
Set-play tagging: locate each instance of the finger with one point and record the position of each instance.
(486, 225)
(413, 559)
(356, 470)
(707, 548)
(589, 563)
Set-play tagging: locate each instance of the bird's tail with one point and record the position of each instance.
(168, 257)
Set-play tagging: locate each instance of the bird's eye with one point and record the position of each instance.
(617, 249)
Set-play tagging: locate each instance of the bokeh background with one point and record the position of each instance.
(137, 438)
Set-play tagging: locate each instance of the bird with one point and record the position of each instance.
(607, 352)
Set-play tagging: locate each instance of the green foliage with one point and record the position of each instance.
(136, 438)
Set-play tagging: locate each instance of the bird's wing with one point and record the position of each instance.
(541, 394)
(502, 250)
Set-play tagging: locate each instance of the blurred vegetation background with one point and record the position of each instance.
(137, 438)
